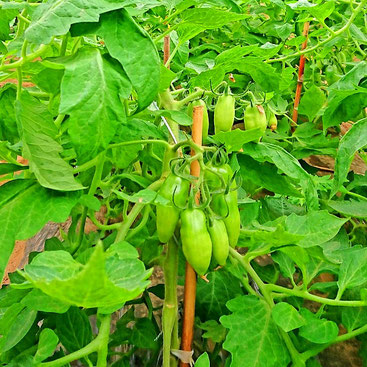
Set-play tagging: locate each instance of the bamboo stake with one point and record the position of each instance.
(302, 61)
(190, 275)
(166, 50)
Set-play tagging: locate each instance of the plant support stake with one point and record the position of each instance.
(302, 61)
(190, 275)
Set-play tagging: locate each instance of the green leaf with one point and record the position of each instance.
(344, 105)
(39, 301)
(253, 338)
(17, 330)
(40, 147)
(91, 202)
(287, 164)
(212, 297)
(179, 117)
(298, 255)
(46, 345)
(8, 317)
(136, 53)
(74, 329)
(263, 74)
(8, 125)
(42, 205)
(94, 104)
(10, 168)
(266, 175)
(317, 227)
(322, 11)
(354, 317)
(353, 269)
(287, 317)
(272, 234)
(352, 78)
(203, 360)
(54, 18)
(213, 330)
(104, 281)
(318, 331)
(351, 142)
(6, 15)
(49, 80)
(235, 139)
(9, 296)
(316, 265)
(165, 78)
(352, 208)
(144, 334)
(286, 264)
(312, 102)
(301, 4)
(145, 196)
(197, 20)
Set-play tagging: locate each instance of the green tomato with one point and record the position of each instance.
(177, 189)
(218, 234)
(224, 113)
(196, 241)
(273, 122)
(255, 118)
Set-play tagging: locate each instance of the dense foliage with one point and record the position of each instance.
(103, 123)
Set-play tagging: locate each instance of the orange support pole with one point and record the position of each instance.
(190, 275)
(301, 70)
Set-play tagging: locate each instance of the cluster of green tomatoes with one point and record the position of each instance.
(254, 116)
(209, 225)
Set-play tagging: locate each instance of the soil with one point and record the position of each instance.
(344, 354)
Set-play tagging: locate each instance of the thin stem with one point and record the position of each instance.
(134, 231)
(134, 212)
(23, 60)
(39, 94)
(312, 297)
(20, 82)
(314, 351)
(172, 55)
(189, 143)
(98, 343)
(268, 298)
(104, 334)
(331, 37)
(103, 227)
(167, 31)
(249, 269)
(133, 142)
(59, 119)
(24, 49)
(170, 305)
(351, 334)
(64, 44)
(92, 190)
(192, 96)
(87, 165)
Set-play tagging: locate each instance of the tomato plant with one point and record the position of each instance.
(102, 100)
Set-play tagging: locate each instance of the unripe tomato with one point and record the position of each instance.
(218, 234)
(224, 113)
(273, 122)
(331, 74)
(177, 188)
(255, 118)
(226, 206)
(196, 242)
(213, 178)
